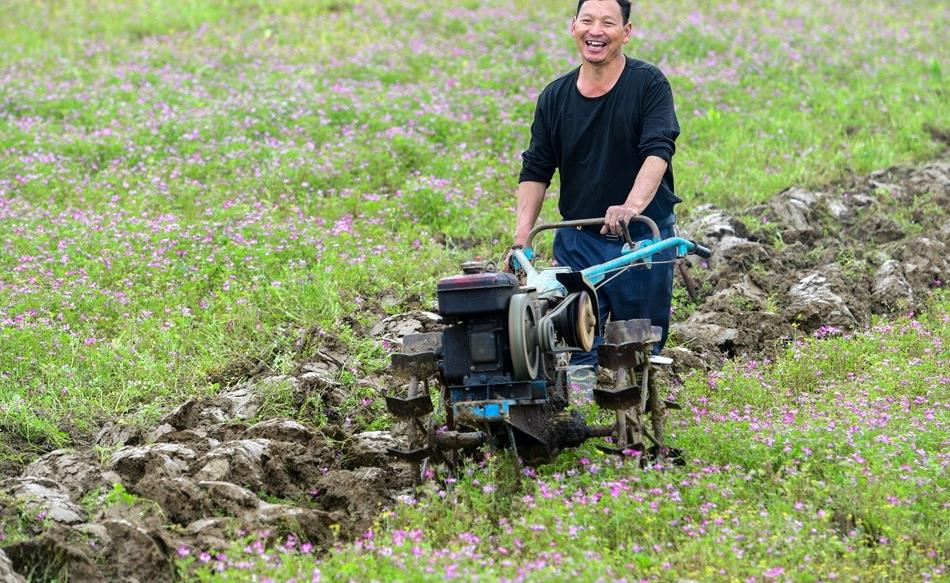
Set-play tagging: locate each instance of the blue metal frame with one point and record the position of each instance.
(547, 286)
(643, 251)
(485, 411)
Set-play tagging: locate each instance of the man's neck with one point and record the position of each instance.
(596, 80)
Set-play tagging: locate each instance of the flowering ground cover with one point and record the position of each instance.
(184, 187)
(828, 463)
(189, 192)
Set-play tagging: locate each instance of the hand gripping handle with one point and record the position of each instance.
(592, 223)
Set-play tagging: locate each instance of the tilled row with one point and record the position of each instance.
(200, 480)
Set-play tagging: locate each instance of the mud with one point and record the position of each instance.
(810, 261)
(200, 479)
(804, 262)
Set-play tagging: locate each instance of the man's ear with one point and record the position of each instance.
(571, 27)
(627, 31)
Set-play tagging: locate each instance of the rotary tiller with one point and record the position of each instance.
(500, 363)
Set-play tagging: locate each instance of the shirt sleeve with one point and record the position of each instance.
(538, 162)
(659, 128)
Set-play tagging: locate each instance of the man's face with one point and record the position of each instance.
(599, 31)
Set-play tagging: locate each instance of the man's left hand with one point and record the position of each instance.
(508, 264)
(614, 216)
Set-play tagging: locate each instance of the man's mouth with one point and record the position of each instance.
(596, 44)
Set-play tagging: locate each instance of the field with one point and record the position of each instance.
(198, 197)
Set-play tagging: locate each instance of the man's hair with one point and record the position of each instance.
(624, 9)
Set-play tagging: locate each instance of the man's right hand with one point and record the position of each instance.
(615, 217)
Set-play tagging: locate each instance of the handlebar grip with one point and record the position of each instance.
(704, 252)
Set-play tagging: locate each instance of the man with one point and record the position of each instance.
(609, 128)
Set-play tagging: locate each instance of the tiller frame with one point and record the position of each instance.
(496, 362)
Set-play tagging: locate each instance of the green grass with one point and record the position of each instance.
(192, 186)
(828, 462)
(192, 190)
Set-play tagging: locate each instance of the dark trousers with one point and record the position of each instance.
(637, 293)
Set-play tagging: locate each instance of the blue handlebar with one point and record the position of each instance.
(595, 274)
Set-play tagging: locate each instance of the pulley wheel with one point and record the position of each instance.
(577, 323)
(523, 338)
(585, 326)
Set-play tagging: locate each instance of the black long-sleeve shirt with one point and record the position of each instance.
(599, 144)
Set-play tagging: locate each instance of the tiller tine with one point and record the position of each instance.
(418, 355)
(627, 344)
(414, 456)
(421, 364)
(459, 439)
(617, 399)
(672, 455)
(410, 407)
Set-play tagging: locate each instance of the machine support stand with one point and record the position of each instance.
(413, 433)
(516, 459)
(657, 413)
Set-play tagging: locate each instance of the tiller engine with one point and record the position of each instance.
(501, 361)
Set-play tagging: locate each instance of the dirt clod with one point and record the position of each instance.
(826, 258)
(74, 472)
(395, 327)
(44, 498)
(7, 574)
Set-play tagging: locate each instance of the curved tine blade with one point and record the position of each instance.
(634, 330)
(411, 407)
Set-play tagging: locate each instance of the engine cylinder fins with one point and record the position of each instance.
(523, 337)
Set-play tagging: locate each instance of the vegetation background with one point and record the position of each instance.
(187, 188)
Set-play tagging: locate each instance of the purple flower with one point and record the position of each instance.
(773, 572)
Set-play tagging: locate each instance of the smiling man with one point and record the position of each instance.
(608, 127)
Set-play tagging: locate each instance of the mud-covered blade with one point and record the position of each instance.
(421, 365)
(616, 399)
(417, 357)
(409, 408)
(626, 355)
